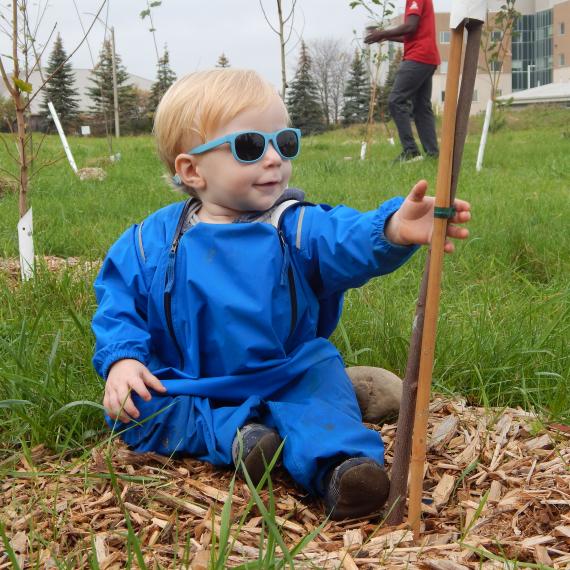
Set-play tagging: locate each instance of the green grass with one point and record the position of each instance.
(504, 317)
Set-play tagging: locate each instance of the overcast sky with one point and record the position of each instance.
(197, 31)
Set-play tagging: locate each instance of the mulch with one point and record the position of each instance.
(497, 488)
(10, 266)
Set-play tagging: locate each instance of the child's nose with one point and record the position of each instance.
(272, 156)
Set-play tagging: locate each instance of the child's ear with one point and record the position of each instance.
(188, 171)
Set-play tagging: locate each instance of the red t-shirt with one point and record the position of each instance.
(422, 46)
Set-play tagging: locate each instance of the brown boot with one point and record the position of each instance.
(356, 488)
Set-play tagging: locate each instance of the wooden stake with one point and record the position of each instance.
(442, 199)
(403, 443)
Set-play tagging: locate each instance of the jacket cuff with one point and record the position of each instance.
(394, 253)
(113, 357)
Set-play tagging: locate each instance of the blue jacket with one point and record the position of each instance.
(225, 311)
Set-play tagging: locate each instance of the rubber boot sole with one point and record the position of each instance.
(363, 490)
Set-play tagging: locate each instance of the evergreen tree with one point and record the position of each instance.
(357, 93)
(101, 93)
(382, 112)
(223, 61)
(303, 98)
(60, 89)
(165, 77)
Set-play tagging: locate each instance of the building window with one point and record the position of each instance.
(496, 36)
(475, 96)
(443, 96)
(443, 67)
(561, 60)
(444, 37)
(561, 29)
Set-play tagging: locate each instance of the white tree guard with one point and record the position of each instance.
(483, 142)
(26, 245)
(467, 9)
(62, 136)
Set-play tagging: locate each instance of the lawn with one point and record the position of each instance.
(504, 318)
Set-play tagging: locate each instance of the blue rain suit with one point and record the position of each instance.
(234, 320)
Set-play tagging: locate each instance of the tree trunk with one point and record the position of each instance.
(282, 44)
(21, 144)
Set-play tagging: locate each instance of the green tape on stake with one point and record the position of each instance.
(445, 213)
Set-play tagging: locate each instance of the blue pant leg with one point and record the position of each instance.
(321, 421)
(186, 425)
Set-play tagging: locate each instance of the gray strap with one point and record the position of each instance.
(277, 213)
(299, 228)
(141, 242)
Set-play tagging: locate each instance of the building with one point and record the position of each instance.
(537, 54)
(82, 83)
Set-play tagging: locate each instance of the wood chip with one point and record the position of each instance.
(539, 442)
(562, 530)
(352, 538)
(70, 502)
(442, 492)
(443, 432)
(532, 541)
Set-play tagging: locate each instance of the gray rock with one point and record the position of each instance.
(378, 391)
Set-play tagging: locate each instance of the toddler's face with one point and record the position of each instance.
(243, 187)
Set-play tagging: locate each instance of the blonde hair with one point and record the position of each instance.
(197, 104)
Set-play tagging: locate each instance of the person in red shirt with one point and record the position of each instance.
(413, 83)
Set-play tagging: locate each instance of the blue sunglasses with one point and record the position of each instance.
(251, 146)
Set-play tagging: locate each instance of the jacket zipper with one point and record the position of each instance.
(169, 282)
(291, 280)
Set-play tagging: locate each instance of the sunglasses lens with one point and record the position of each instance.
(249, 146)
(288, 143)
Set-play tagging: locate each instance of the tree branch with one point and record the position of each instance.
(9, 174)
(291, 13)
(266, 18)
(49, 163)
(68, 58)
(38, 58)
(11, 90)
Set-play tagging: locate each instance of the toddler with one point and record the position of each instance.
(214, 313)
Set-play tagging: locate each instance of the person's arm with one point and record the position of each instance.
(343, 248)
(398, 34)
(400, 39)
(119, 324)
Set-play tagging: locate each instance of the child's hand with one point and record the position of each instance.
(126, 375)
(413, 222)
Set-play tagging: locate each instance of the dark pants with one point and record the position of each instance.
(413, 86)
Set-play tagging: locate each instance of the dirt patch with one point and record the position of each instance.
(497, 485)
(10, 266)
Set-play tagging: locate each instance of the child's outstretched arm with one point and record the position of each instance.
(413, 222)
(344, 248)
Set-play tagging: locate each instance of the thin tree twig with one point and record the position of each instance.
(9, 174)
(152, 30)
(266, 17)
(38, 58)
(291, 13)
(69, 57)
(49, 163)
(40, 145)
